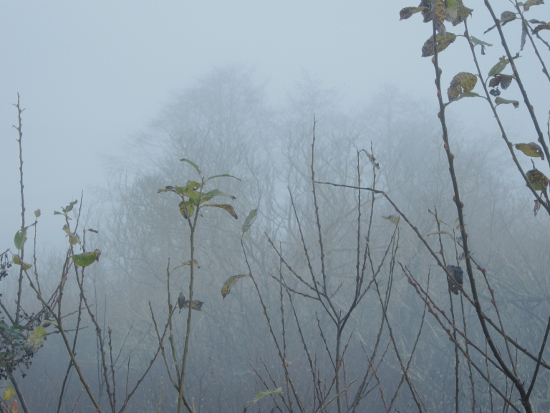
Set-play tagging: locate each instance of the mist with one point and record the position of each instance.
(267, 207)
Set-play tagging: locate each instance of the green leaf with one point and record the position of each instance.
(225, 207)
(466, 95)
(499, 67)
(86, 258)
(37, 213)
(215, 192)
(223, 176)
(36, 338)
(17, 261)
(262, 394)
(469, 95)
(531, 149)
(73, 238)
(69, 207)
(193, 164)
(439, 233)
(475, 40)
(20, 238)
(463, 12)
(501, 101)
(226, 289)
(249, 219)
(442, 41)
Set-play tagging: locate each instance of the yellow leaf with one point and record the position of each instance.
(189, 190)
(17, 261)
(187, 208)
(530, 149)
(230, 282)
(36, 338)
(8, 394)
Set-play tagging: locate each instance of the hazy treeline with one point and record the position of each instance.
(225, 125)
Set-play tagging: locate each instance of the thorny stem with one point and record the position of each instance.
(440, 263)
(192, 228)
(460, 206)
(19, 139)
(540, 358)
(429, 304)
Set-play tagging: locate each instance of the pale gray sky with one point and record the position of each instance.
(91, 74)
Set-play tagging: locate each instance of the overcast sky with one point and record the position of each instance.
(91, 74)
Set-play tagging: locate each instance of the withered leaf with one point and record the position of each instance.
(442, 41)
(225, 207)
(456, 272)
(195, 304)
(502, 101)
(544, 26)
(537, 179)
(439, 14)
(530, 3)
(503, 80)
(407, 12)
(394, 219)
(463, 82)
(507, 17)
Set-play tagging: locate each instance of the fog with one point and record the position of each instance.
(344, 303)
